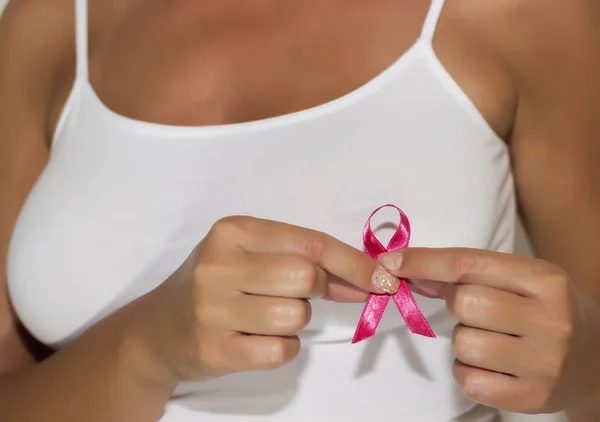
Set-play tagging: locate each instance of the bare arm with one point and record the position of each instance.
(556, 154)
(94, 378)
(556, 145)
(20, 165)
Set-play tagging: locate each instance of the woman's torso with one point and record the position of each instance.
(367, 115)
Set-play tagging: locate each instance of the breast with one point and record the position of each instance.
(121, 203)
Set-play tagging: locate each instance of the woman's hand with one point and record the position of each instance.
(240, 299)
(527, 340)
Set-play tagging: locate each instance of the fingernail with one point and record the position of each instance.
(391, 261)
(384, 281)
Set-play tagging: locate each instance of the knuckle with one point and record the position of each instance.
(290, 316)
(558, 323)
(303, 273)
(270, 355)
(463, 302)
(231, 227)
(473, 389)
(303, 314)
(540, 399)
(549, 271)
(564, 330)
(277, 353)
(465, 346)
(306, 276)
(314, 247)
(466, 263)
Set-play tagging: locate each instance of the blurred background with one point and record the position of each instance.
(523, 248)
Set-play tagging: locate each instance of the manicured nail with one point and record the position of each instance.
(384, 281)
(391, 261)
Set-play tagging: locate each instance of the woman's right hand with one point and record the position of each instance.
(241, 297)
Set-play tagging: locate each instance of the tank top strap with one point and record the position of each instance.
(81, 38)
(431, 21)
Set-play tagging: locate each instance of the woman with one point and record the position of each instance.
(185, 185)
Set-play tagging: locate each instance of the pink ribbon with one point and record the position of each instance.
(404, 299)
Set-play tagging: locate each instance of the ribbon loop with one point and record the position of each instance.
(404, 299)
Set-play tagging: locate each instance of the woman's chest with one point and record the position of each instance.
(229, 62)
(207, 63)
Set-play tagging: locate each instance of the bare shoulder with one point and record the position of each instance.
(34, 25)
(37, 50)
(550, 51)
(35, 38)
(540, 40)
(553, 51)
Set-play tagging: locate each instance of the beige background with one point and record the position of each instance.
(522, 248)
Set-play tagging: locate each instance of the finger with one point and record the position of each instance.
(491, 309)
(295, 277)
(268, 316)
(495, 352)
(494, 389)
(280, 276)
(334, 256)
(241, 353)
(343, 292)
(469, 266)
(429, 288)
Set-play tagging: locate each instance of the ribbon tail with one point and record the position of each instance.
(410, 311)
(370, 317)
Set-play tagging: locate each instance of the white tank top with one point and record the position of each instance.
(122, 202)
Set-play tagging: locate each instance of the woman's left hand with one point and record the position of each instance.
(527, 341)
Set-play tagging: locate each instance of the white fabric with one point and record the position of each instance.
(122, 202)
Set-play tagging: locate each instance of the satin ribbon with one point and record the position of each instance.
(404, 299)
